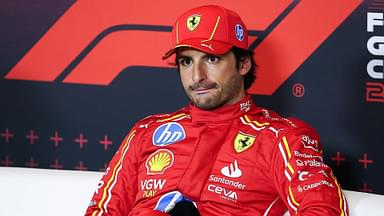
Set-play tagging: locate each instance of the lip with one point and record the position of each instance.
(200, 91)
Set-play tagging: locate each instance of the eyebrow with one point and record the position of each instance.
(206, 55)
(179, 56)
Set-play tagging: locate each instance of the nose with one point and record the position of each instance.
(198, 73)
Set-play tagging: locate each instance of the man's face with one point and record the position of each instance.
(211, 81)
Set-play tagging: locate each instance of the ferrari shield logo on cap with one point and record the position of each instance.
(193, 21)
(243, 142)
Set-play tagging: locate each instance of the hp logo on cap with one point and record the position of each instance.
(239, 30)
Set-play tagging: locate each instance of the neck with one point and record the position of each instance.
(223, 113)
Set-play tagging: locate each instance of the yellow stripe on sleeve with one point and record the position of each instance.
(256, 123)
(172, 117)
(341, 201)
(291, 196)
(287, 147)
(290, 168)
(114, 174)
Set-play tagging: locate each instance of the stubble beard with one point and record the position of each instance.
(223, 94)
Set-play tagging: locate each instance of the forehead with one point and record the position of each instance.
(191, 52)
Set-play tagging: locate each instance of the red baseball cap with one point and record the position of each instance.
(212, 29)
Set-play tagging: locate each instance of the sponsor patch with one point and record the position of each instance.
(239, 32)
(159, 161)
(168, 133)
(228, 182)
(232, 171)
(304, 175)
(243, 142)
(310, 163)
(193, 21)
(305, 155)
(314, 185)
(224, 193)
(245, 106)
(310, 143)
(151, 186)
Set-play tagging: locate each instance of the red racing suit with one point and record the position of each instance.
(239, 159)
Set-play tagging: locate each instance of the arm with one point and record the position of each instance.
(304, 182)
(117, 188)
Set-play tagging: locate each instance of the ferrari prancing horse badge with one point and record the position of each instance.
(243, 142)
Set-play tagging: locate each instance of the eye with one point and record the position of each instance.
(212, 59)
(184, 61)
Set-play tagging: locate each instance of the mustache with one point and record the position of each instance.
(204, 85)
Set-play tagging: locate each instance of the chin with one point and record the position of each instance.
(208, 104)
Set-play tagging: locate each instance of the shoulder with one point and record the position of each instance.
(158, 119)
(293, 133)
(269, 121)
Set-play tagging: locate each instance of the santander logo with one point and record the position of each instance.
(232, 171)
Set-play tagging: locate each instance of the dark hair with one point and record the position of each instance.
(240, 54)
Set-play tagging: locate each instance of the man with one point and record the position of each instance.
(220, 155)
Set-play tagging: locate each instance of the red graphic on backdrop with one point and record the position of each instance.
(338, 159)
(31, 137)
(365, 188)
(375, 92)
(81, 166)
(81, 140)
(365, 161)
(56, 139)
(105, 142)
(31, 163)
(105, 48)
(7, 135)
(7, 161)
(56, 165)
(298, 90)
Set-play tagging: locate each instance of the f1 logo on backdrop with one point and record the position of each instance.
(94, 41)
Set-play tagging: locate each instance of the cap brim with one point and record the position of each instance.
(207, 46)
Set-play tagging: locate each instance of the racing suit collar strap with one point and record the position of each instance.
(223, 113)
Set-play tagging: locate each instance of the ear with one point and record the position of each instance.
(245, 65)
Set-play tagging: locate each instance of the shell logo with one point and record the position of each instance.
(159, 161)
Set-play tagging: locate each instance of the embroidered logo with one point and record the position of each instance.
(159, 161)
(243, 142)
(193, 21)
(168, 133)
(245, 106)
(232, 170)
(239, 32)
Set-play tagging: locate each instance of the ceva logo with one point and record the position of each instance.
(81, 48)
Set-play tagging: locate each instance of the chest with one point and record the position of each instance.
(227, 164)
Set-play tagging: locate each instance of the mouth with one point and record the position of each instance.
(203, 88)
(201, 91)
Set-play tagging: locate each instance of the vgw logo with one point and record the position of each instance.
(168, 133)
(80, 48)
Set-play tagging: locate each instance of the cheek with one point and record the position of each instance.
(221, 77)
(184, 80)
